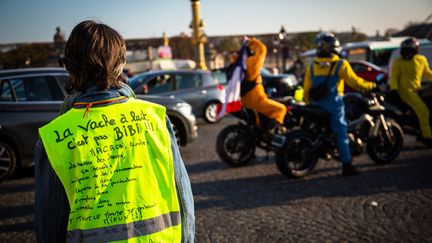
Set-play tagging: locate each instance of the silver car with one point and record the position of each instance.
(199, 88)
(30, 98)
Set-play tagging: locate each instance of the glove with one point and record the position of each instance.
(249, 51)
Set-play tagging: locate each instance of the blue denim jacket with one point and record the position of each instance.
(51, 204)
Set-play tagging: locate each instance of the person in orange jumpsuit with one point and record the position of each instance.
(255, 98)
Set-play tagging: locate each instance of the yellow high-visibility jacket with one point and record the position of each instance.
(407, 74)
(346, 74)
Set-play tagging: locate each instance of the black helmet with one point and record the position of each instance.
(409, 48)
(326, 44)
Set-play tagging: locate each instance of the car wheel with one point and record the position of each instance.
(210, 112)
(7, 160)
(178, 130)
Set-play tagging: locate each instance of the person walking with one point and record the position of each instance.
(405, 80)
(328, 71)
(108, 168)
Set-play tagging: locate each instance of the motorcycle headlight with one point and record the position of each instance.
(290, 81)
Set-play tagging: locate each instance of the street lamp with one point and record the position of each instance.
(284, 48)
(282, 33)
(276, 45)
(198, 35)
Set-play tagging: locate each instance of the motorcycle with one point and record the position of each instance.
(236, 144)
(367, 127)
(403, 114)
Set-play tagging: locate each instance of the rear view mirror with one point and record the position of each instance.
(379, 77)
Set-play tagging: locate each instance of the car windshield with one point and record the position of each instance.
(137, 80)
(188, 80)
(220, 76)
(6, 91)
(265, 72)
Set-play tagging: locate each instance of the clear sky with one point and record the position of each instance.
(35, 21)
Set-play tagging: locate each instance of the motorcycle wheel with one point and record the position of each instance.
(234, 145)
(295, 159)
(383, 150)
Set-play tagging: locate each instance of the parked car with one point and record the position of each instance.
(276, 85)
(30, 98)
(199, 88)
(279, 85)
(368, 71)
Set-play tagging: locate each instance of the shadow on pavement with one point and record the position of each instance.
(208, 166)
(29, 225)
(233, 194)
(10, 213)
(12, 188)
(16, 211)
(23, 172)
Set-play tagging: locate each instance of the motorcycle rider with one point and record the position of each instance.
(253, 95)
(328, 67)
(405, 79)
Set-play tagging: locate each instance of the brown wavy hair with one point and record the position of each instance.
(94, 54)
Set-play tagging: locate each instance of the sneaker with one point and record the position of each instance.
(349, 170)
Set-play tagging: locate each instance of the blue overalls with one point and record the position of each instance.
(334, 105)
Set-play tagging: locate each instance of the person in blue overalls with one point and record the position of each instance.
(328, 67)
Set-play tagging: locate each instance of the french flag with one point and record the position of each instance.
(232, 90)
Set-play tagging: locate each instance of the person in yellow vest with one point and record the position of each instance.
(328, 67)
(253, 95)
(108, 168)
(405, 79)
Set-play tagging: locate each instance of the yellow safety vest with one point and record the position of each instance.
(116, 166)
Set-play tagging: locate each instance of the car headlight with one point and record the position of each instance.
(184, 108)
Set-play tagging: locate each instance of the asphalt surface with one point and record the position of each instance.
(255, 203)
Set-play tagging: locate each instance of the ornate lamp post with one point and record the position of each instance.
(276, 45)
(283, 47)
(59, 45)
(198, 36)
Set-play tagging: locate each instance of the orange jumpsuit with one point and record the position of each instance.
(256, 98)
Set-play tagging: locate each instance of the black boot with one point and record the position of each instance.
(275, 133)
(348, 170)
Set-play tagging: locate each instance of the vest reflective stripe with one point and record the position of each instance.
(117, 169)
(125, 231)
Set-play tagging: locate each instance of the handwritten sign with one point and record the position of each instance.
(105, 167)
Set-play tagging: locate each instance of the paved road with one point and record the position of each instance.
(256, 203)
